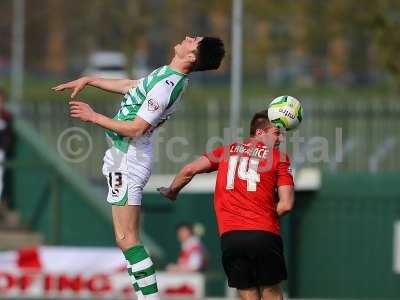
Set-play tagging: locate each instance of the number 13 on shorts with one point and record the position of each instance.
(117, 188)
(247, 170)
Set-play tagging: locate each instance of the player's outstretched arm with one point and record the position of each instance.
(85, 113)
(120, 86)
(185, 175)
(286, 199)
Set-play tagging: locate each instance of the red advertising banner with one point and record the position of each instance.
(48, 272)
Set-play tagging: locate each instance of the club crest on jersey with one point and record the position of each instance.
(152, 105)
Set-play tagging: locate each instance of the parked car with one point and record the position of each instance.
(107, 64)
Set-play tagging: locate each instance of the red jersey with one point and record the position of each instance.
(245, 195)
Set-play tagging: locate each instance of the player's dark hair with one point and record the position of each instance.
(210, 52)
(259, 121)
(186, 225)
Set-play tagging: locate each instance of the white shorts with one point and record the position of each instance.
(127, 173)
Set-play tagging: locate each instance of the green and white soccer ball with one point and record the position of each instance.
(285, 112)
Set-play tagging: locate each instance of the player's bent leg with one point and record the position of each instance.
(249, 294)
(140, 266)
(273, 292)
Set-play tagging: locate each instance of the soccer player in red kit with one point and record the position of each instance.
(254, 187)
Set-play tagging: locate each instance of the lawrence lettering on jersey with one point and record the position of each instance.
(154, 99)
(248, 176)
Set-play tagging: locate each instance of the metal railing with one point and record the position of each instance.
(353, 135)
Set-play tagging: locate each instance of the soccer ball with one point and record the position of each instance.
(285, 112)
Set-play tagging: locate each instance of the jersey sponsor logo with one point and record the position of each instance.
(152, 105)
(169, 82)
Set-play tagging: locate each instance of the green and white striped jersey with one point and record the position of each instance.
(154, 99)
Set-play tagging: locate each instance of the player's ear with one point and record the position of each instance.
(260, 132)
(191, 57)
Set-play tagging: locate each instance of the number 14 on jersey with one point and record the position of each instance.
(247, 170)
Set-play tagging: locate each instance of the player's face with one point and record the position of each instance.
(187, 48)
(272, 135)
(183, 234)
(277, 133)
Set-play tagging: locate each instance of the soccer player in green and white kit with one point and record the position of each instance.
(147, 103)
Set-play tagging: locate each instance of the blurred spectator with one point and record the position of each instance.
(6, 151)
(193, 257)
